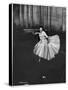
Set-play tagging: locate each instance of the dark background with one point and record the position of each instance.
(27, 19)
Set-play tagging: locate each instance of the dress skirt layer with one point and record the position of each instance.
(47, 49)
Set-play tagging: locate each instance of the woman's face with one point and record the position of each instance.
(40, 29)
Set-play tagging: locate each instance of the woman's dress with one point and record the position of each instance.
(47, 48)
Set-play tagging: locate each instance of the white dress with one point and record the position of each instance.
(47, 49)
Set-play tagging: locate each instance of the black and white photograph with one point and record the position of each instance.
(37, 44)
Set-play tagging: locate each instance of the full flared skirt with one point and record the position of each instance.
(47, 49)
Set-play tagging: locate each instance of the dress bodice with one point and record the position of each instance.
(42, 35)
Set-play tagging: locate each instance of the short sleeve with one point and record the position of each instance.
(44, 33)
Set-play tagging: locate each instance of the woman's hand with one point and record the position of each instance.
(46, 37)
(48, 40)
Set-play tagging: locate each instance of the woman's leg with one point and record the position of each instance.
(39, 59)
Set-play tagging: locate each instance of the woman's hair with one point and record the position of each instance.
(41, 27)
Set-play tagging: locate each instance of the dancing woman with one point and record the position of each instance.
(47, 47)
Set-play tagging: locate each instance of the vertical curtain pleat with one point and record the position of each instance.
(54, 17)
(30, 16)
(59, 17)
(36, 15)
(25, 16)
(42, 16)
(63, 19)
(16, 14)
(48, 16)
(45, 17)
(21, 15)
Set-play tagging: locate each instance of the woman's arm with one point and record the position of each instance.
(36, 33)
(45, 34)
